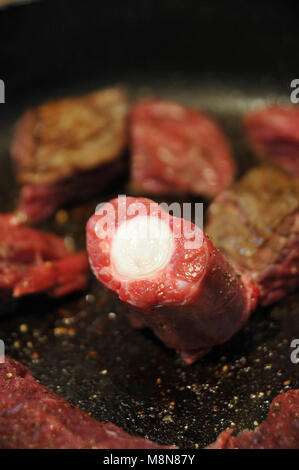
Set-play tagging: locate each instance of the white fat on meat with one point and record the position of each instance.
(141, 247)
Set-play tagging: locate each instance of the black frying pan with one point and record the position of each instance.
(225, 58)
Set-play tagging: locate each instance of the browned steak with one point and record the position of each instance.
(192, 300)
(279, 431)
(33, 417)
(256, 225)
(66, 139)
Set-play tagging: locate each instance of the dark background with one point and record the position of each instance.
(52, 42)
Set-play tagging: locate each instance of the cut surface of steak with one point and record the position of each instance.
(82, 138)
(175, 281)
(177, 150)
(33, 261)
(273, 133)
(33, 417)
(280, 430)
(256, 226)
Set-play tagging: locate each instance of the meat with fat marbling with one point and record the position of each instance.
(70, 148)
(33, 261)
(255, 224)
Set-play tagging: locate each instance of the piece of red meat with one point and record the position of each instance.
(255, 224)
(191, 297)
(39, 201)
(280, 430)
(33, 417)
(273, 133)
(33, 261)
(177, 150)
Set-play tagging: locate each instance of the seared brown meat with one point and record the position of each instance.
(279, 431)
(33, 417)
(65, 138)
(256, 225)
